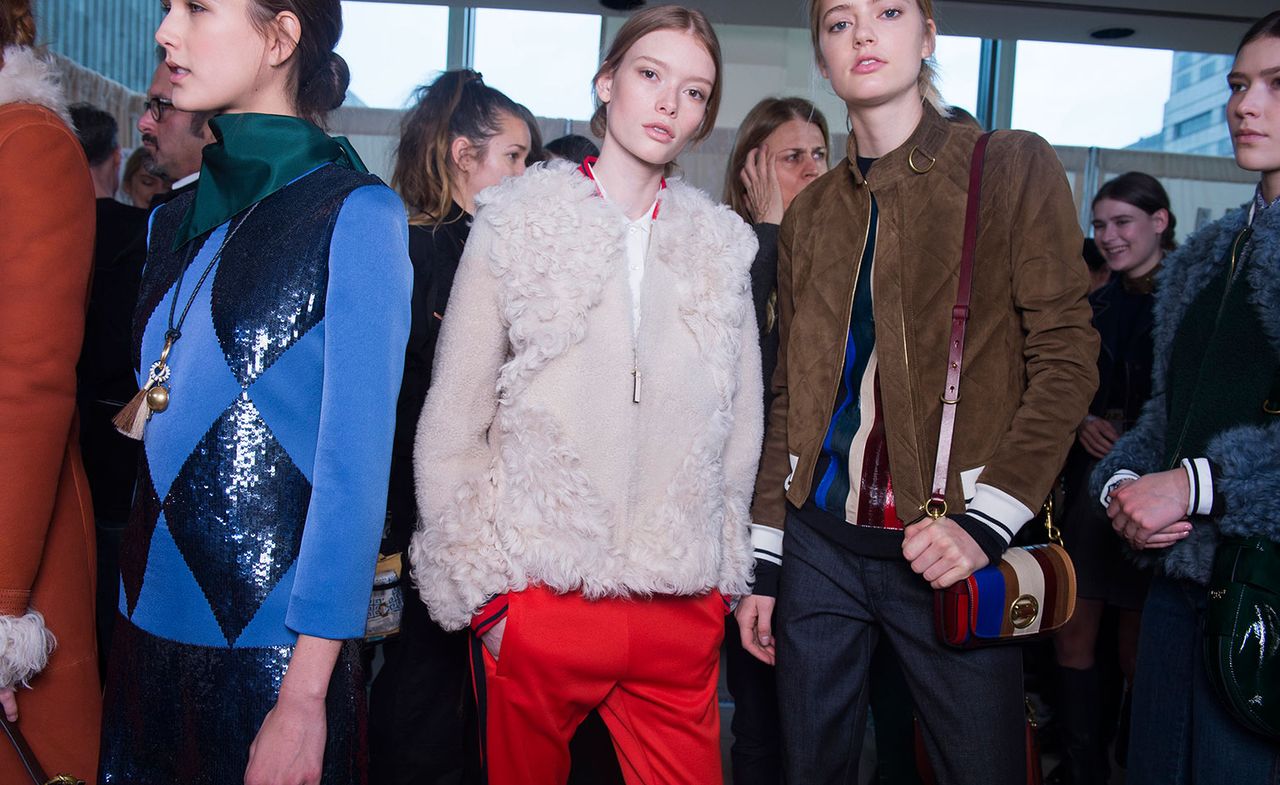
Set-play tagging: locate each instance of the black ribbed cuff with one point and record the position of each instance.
(991, 543)
(767, 575)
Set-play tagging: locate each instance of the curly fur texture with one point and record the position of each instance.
(1247, 456)
(28, 79)
(533, 464)
(25, 646)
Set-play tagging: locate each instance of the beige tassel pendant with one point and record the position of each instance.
(153, 397)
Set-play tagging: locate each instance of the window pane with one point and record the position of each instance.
(391, 49)
(1121, 97)
(1089, 95)
(959, 59)
(540, 59)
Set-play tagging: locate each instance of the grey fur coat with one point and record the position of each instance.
(1247, 456)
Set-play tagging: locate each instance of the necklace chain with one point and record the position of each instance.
(173, 332)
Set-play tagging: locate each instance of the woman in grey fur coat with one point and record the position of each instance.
(1203, 462)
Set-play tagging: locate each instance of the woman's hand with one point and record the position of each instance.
(755, 626)
(289, 747)
(1097, 436)
(1151, 511)
(492, 639)
(941, 552)
(9, 702)
(760, 178)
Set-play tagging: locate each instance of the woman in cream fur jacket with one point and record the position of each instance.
(535, 462)
(585, 456)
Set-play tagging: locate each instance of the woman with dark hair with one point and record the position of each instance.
(1133, 227)
(585, 455)
(875, 522)
(781, 147)
(270, 335)
(1199, 470)
(461, 137)
(573, 148)
(48, 660)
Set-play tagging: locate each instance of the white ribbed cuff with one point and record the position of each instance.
(1200, 483)
(998, 510)
(766, 542)
(1121, 476)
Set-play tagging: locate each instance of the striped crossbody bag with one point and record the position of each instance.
(1032, 590)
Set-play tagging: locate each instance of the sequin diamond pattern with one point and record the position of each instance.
(236, 508)
(249, 527)
(236, 513)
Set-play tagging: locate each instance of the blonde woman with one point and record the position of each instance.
(867, 271)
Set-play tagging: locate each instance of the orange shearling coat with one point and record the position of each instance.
(46, 515)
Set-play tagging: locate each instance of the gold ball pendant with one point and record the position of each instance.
(157, 399)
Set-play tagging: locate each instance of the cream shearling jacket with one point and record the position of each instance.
(534, 463)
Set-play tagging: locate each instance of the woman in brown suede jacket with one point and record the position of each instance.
(867, 277)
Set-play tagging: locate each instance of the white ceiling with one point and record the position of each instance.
(1183, 25)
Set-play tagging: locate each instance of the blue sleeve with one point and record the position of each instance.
(366, 326)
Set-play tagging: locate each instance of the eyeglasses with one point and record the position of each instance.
(157, 107)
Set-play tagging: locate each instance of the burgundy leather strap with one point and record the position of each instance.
(25, 756)
(936, 506)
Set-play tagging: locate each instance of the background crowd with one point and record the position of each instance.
(269, 320)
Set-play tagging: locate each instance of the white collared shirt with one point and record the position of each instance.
(636, 248)
(181, 181)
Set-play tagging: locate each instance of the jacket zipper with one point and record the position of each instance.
(1237, 251)
(848, 319)
(634, 308)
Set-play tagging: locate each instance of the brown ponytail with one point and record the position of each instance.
(457, 104)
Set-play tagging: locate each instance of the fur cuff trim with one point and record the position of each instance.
(25, 646)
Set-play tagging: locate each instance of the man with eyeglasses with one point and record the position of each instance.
(174, 138)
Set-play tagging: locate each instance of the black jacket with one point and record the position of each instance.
(435, 251)
(764, 283)
(105, 379)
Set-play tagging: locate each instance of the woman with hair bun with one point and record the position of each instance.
(460, 137)
(270, 335)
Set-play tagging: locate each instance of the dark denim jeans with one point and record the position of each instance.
(1181, 734)
(833, 607)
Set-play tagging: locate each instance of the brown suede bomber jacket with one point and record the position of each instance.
(1030, 355)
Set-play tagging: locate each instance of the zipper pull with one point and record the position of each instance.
(635, 385)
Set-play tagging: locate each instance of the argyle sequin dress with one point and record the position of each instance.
(262, 493)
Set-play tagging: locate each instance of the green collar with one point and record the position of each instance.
(254, 156)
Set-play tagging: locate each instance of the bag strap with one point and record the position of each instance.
(25, 756)
(936, 506)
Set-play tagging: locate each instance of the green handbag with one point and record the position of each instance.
(1242, 632)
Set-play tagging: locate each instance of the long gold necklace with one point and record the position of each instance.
(153, 398)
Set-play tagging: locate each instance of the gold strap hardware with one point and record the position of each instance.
(911, 161)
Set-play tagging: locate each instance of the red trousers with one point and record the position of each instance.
(650, 665)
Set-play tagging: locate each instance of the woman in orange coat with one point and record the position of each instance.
(46, 523)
